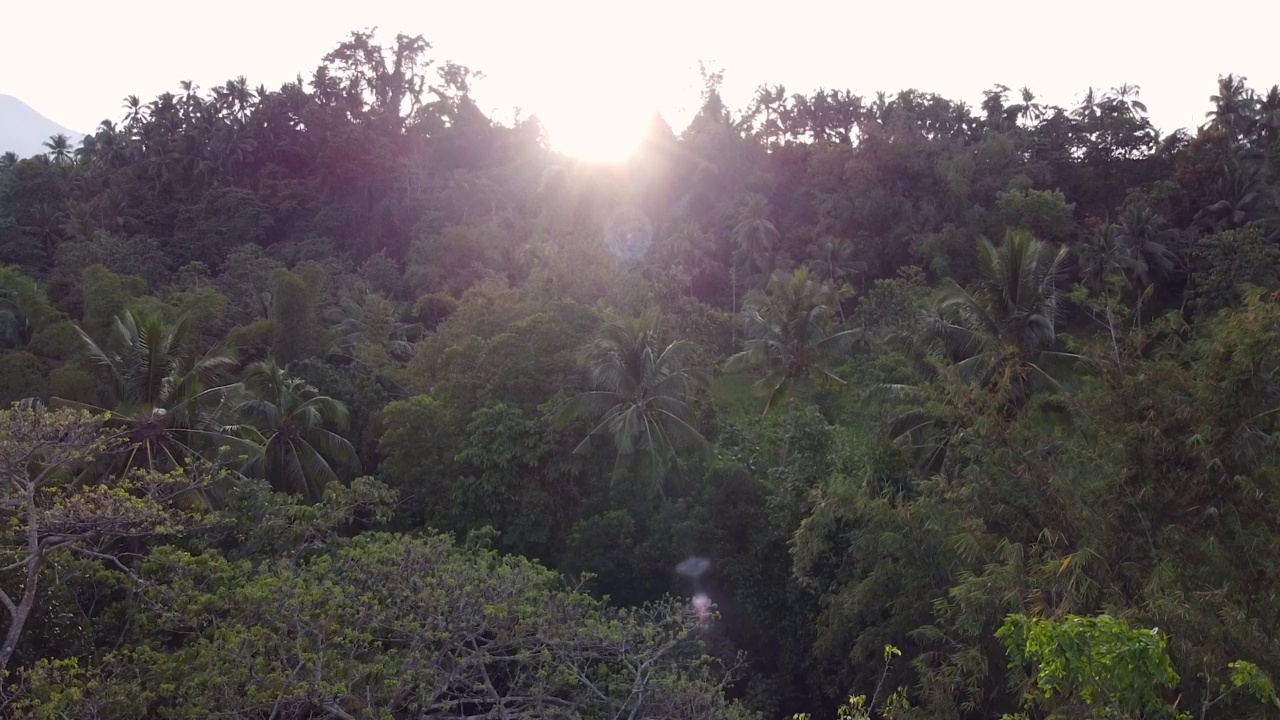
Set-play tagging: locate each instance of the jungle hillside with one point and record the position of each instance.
(345, 400)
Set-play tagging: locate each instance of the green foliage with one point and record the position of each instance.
(344, 632)
(1045, 214)
(1223, 263)
(21, 376)
(72, 382)
(422, 439)
(106, 295)
(19, 294)
(274, 282)
(382, 275)
(949, 253)
(642, 397)
(505, 344)
(289, 424)
(247, 280)
(792, 335)
(59, 340)
(433, 309)
(49, 518)
(254, 340)
(1110, 667)
(225, 218)
(293, 315)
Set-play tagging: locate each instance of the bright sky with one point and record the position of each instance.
(593, 71)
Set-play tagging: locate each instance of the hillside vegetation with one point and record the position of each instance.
(343, 400)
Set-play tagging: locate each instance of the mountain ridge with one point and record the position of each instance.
(23, 129)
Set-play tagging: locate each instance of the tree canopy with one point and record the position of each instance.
(344, 400)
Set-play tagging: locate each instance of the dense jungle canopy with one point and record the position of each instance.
(343, 400)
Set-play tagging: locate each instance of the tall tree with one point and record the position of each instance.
(755, 236)
(60, 150)
(643, 398)
(50, 518)
(791, 332)
(290, 421)
(161, 389)
(1004, 326)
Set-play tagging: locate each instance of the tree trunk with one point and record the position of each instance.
(19, 614)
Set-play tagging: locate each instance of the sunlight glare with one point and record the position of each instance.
(599, 133)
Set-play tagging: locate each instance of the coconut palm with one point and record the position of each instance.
(60, 150)
(832, 260)
(370, 319)
(162, 391)
(1232, 105)
(1003, 327)
(1088, 108)
(1267, 128)
(16, 329)
(692, 249)
(1028, 110)
(792, 333)
(1102, 257)
(642, 396)
(755, 235)
(1125, 100)
(1243, 198)
(135, 112)
(291, 422)
(1146, 240)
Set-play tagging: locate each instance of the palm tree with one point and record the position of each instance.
(692, 249)
(134, 112)
(1028, 110)
(163, 392)
(240, 96)
(832, 260)
(993, 104)
(1005, 325)
(1146, 240)
(60, 150)
(1125, 99)
(755, 235)
(1243, 198)
(8, 160)
(371, 319)
(1267, 125)
(1233, 105)
(642, 396)
(16, 329)
(290, 420)
(792, 332)
(1102, 257)
(1088, 109)
(88, 149)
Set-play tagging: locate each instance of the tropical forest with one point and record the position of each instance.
(347, 400)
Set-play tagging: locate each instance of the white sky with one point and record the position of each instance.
(582, 65)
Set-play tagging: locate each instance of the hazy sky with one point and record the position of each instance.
(580, 64)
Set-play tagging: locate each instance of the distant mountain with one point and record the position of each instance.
(23, 130)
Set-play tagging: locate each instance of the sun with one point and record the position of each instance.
(598, 134)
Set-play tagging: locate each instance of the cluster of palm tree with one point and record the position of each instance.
(998, 336)
(1244, 114)
(176, 403)
(1138, 250)
(841, 117)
